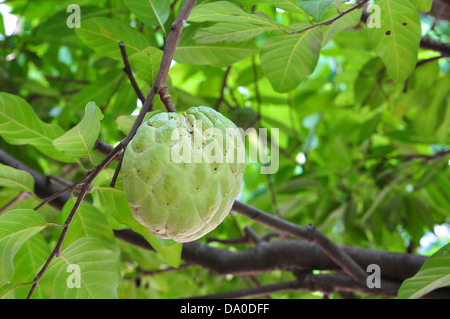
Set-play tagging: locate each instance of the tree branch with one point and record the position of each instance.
(222, 90)
(160, 85)
(309, 233)
(326, 283)
(328, 22)
(129, 72)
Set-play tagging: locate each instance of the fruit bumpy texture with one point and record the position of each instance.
(178, 199)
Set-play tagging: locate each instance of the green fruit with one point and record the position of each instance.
(179, 182)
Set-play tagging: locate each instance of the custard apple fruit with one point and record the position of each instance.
(182, 172)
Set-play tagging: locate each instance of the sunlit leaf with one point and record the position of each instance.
(288, 59)
(433, 274)
(15, 178)
(16, 227)
(397, 40)
(316, 8)
(20, 125)
(83, 270)
(151, 12)
(79, 140)
(104, 34)
(115, 203)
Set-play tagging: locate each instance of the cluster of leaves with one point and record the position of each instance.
(362, 129)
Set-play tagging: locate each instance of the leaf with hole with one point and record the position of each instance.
(397, 41)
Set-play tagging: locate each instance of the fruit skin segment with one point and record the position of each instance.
(176, 199)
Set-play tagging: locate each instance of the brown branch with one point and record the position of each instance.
(62, 191)
(22, 195)
(42, 185)
(309, 233)
(161, 78)
(328, 22)
(129, 72)
(222, 90)
(326, 283)
(105, 148)
(165, 97)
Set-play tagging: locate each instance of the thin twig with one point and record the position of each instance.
(328, 22)
(129, 72)
(66, 80)
(116, 172)
(273, 195)
(62, 191)
(222, 90)
(22, 195)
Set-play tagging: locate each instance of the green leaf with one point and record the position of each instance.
(349, 20)
(20, 125)
(2, 26)
(397, 41)
(316, 8)
(224, 11)
(79, 140)
(104, 34)
(151, 12)
(287, 5)
(114, 203)
(28, 261)
(145, 64)
(99, 91)
(288, 59)
(231, 32)
(423, 5)
(190, 51)
(87, 262)
(16, 178)
(88, 222)
(16, 227)
(125, 123)
(434, 273)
